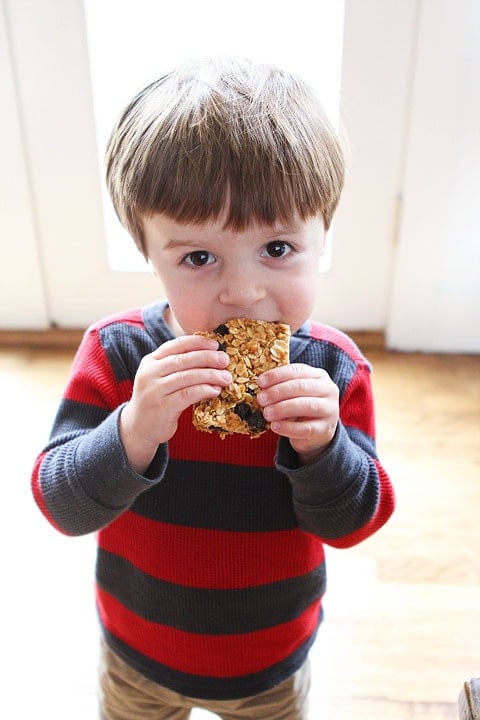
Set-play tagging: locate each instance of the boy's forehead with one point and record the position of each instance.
(162, 221)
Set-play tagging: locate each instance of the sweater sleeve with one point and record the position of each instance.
(82, 480)
(345, 495)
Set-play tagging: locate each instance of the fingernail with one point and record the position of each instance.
(266, 413)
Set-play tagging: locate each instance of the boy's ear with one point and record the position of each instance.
(325, 260)
(323, 244)
(151, 268)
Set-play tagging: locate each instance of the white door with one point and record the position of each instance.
(436, 286)
(21, 281)
(48, 49)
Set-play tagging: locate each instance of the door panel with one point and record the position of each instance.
(22, 299)
(52, 73)
(436, 289)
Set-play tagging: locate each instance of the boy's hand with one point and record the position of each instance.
(301, 403)
(176, 375)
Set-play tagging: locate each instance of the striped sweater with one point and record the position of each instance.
(210, 569)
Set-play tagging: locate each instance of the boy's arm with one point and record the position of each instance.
(345, 495)
(83, 480)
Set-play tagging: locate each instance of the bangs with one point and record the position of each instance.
(252, 144)
(248, 186)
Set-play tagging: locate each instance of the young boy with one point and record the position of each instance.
(210, 571)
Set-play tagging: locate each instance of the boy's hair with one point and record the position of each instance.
(224, 134)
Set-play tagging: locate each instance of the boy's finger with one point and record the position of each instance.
(184, 344)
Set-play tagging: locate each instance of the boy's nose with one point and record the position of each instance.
(241, 292)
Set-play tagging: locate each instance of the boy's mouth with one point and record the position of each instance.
(249, 317)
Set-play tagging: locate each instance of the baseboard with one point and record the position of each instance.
(368, 340)
(51, 339)
(69, 339)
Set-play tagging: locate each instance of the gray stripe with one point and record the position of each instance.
(220, 496)
(200, 610)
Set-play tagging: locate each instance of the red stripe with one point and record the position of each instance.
(92, 379)
(337, 338)
(211, 558)
(38, 495)
(191, 444)
(356, 407)
(385, 508)
(132, 316)
(207, 655)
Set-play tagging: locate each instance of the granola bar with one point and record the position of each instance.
(253, 347)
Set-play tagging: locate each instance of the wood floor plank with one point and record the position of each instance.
(382, 709)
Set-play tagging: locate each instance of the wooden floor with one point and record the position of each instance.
(402, 625)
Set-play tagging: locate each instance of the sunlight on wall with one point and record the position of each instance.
(133, 42)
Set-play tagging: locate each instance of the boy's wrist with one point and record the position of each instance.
(306, 458)
(139, 452)
(309, 455)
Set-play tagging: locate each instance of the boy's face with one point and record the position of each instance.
(211, 274)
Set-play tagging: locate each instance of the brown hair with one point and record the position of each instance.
(224, 133)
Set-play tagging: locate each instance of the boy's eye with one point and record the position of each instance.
(278, 248)
(199, 258)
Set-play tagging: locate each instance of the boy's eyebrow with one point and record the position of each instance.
(172, 243)
(285, 230)
(271, 233)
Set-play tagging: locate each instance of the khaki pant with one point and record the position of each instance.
(127, 695)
